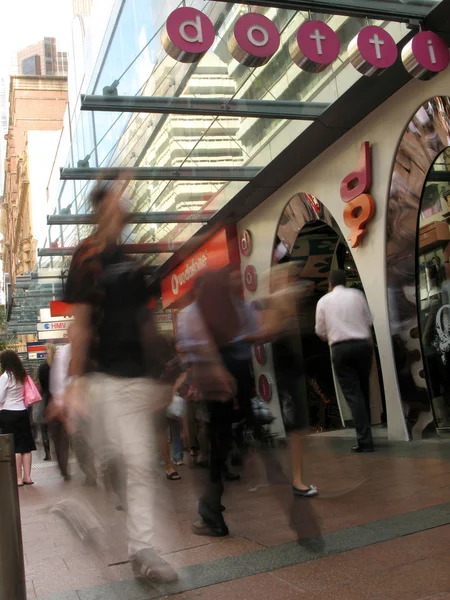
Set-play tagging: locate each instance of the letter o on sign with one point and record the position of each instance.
(250, 278)
(245, 243)
(372, 51)
(315, 46)
(425, 55)
(265, 388)
(254, 40)
(187, 35)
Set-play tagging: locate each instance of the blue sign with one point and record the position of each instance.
(41, 355)
(47, 326)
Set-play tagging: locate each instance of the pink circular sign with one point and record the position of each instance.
(245, 243)
(260, 354)
(426, 55)
(254, 41)
(315, 46)
(188, 34)
(265, 388)
(250, 278)
(373, 50)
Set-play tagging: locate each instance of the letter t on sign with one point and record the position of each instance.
(359, 181)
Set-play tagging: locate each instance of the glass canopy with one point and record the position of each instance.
(136, 65)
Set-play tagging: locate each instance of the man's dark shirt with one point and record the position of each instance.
(116, 290)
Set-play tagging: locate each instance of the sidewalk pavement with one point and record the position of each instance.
(384, 520)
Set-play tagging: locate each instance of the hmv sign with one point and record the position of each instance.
(189, 33)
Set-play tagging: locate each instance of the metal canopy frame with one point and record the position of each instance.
(135, 218)
(161, 173)
(267, 109)
(376, 9)
(152, 248)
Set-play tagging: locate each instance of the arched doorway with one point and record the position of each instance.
(413, 261)
(308, 235)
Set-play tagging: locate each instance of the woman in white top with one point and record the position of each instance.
(14, 418)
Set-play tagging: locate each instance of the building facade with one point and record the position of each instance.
(37, 106)
(43, 58)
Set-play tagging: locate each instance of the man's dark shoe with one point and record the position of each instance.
(360, 449)
(201, 528)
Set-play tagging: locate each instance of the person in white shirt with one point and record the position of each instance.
(14, 417)
(343, 319)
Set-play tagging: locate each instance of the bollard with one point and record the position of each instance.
(12, 571)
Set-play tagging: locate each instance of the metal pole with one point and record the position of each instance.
(12, 570)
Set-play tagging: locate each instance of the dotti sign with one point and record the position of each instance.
(189, 33)
(218, 252)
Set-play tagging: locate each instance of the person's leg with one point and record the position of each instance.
(296, 450)
(210, 503)
(191, 427)
(84, 453)
(344, 362)
(46, 441)
(61, 443)
(364, 357)
(19, 469)
(161, 427)
(177, 442)
(26, 462)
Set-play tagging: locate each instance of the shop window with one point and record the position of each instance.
(434, 291)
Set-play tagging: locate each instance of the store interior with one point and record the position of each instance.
(308, 235)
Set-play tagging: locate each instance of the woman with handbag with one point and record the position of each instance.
(17, 392)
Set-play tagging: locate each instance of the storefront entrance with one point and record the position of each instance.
(308, 235)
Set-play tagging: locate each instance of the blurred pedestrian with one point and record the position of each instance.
(63, 439)
(205, 330)
(281, 325)
(343, 319)
(117, 362)
(44, 384)
(14, 416)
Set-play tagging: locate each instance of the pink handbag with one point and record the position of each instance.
(31, 394)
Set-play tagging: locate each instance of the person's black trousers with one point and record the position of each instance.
(352, 362)
(220, 429)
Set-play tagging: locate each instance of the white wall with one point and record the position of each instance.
(322, 178)
(42, 147)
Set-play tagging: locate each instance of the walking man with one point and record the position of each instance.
(115, 364)
(343, 320)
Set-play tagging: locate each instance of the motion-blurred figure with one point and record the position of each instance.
(114, 351)
(44, 384)
(60, 381)
(343, 319)
(206, 330)
(281, 326)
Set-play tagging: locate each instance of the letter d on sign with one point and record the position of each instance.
(187, 35)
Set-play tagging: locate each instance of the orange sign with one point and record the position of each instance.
(216, 253)
(360, 206)
(64, 309)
